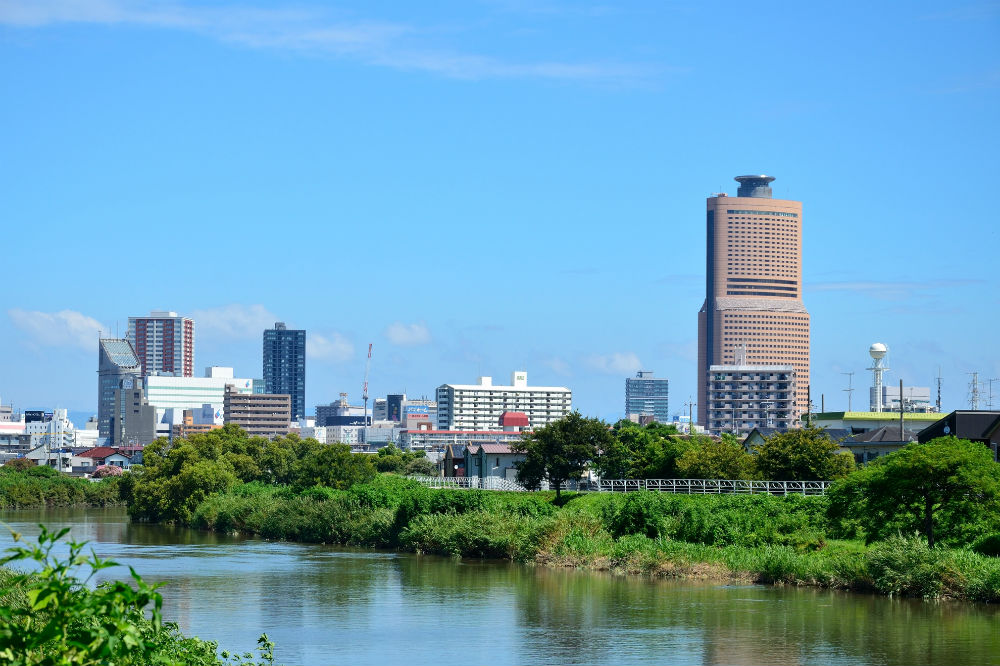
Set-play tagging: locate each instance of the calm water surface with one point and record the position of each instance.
(325, 605)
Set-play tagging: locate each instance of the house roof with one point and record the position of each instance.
(836, 434)
(514, 419)
(455, 450)
(98, 452)
(965, 424)
(490, 448)
(883, 434)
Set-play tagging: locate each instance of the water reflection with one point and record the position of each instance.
(330, 605)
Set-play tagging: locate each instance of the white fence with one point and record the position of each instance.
(679, 486)
(467, 482)
(714, 486)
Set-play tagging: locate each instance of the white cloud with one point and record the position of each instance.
(66, 328)
(558, 366)
(232, 322)
(381, 44)
(619, 363)
(407, 335)
(333, 347)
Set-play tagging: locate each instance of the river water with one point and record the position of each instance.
(327, 605)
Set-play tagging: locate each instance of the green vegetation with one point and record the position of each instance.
(947, 489)
(870, 533)
(52, 617)
(807, 454)
(560, 451)
(43, 486)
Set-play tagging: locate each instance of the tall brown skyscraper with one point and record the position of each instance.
(753, 293)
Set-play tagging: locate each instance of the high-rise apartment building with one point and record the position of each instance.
(164, 343)
(646, 395)
(118, 368)
(260, 414)
(479, 406)
(285, 365)
(753, 287)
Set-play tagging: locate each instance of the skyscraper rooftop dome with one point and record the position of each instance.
(754, 186)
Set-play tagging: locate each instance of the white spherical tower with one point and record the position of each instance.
(878, 353)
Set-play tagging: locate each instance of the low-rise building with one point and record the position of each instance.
(492, 460)
(981, 426)
(859, 422)
(876, 443)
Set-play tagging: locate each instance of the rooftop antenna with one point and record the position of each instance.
(990, 403)
(939, 390)
(974, 391)
(877, 351)
(850, 389)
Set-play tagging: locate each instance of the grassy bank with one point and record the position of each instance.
(44, 486)
(747, 538)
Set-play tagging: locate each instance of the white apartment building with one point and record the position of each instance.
(179, 393)
(744, 397)
(479, 406)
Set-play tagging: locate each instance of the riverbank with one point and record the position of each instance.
(39, 487)
(764, 539)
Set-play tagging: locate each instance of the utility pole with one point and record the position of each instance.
(939, 390)
(850, 388)
(690, 405)
(990, 403)
(901, 409)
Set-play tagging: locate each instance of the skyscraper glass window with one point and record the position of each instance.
(647, 396)
(285, 365)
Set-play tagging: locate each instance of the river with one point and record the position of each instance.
(331, 605)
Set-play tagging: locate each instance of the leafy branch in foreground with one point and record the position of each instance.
(52, 617)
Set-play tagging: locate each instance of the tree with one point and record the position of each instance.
(560, 451)
(19, 464)
(420, 467)
(806, 454)
(716, 459)
(947, 489)
(638, 452)
(335, 466)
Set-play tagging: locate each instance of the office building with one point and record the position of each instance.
(117, 367)
(285, 365)
(753, 287)
(394, 406)
(479, 406)
(744, 397)
(181, 393)
(260, 414)
(915, 399)
(164, 343)
(647, 396)
(133, 425)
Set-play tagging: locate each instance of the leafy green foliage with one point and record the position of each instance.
(716, 459)
(988, 544)
(176, 478)
(52, 618)
(44, 486)
(947, 489)
(18, 465)
(806, 454)
(637, 452)
(561, 450)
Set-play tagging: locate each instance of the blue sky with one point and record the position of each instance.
(476, 187)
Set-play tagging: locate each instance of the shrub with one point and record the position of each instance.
(51, 617)
(103, 471)
(907, 566)
(988, 545)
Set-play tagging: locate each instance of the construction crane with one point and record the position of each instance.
(364, 391)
